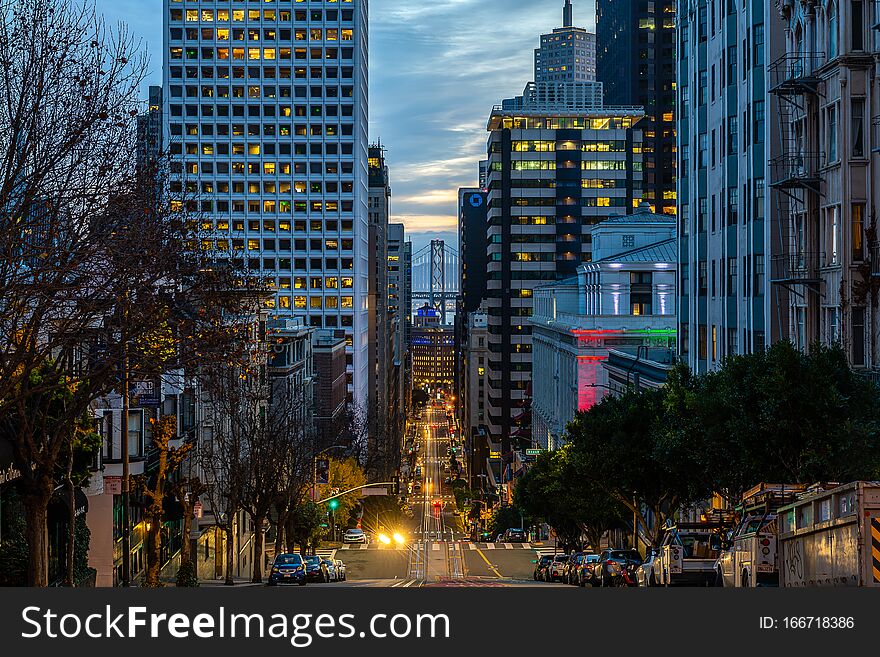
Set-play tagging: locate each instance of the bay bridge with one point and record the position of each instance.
(435, 278)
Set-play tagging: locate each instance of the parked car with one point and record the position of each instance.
(613, 563)
(587, 572)
(541, 566)
(514, 535)
(570, 572)
(354, 536)
(645, 574)
(287, 569)
(556, 569)
(340, 570)
(316, 570)
(330, 569)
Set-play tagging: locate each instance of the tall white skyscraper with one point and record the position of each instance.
(265, 116)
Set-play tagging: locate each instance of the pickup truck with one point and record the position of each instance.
(686, 557)
(749, 552)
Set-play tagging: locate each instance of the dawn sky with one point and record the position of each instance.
(436, 70)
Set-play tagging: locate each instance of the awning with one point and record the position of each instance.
(60, 503)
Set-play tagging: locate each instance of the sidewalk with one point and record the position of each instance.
(240, 582)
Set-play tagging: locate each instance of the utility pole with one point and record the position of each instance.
(126, 520)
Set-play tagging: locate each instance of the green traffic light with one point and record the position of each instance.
(333, 504)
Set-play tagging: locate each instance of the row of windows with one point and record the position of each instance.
(264, 187)
(240, 15)
(316, 168)
(542, 146)
(251, 129)
(207, 73)
(269, 245)
(271, 226)
(253, 35)
(550, 165)
(242, 168)
(568, 123)
(298, 264)
(223, 54)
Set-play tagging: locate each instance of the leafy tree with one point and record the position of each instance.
(620, 446)
(780, 415)
(344, 474)
(306, 526)
(556, 490)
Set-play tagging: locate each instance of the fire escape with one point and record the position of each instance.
(796, 178)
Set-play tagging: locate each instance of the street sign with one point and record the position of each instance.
(198, 510)
(113, 485)
(534, 452)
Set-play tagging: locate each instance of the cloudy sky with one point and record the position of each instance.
(436, 69)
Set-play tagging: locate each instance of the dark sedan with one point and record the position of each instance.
(541, 566)
(316, 570)
(288, 569)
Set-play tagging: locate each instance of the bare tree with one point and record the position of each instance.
(88, 249)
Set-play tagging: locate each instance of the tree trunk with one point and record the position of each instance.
(154, 553)
(185, 546)
(36, 504)
(257, 577)
(279, 533)
(71, 528)
(230, 553)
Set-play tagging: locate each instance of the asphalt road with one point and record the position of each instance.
(437, 552)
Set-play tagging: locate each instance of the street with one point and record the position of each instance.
(438, 551)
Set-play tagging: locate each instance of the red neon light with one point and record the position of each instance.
(605, 332)
(593, 358)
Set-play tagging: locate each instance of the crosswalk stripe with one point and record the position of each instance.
(507, 546)
(345, 547)
(435, 546)
(364, 546)
(490, 546)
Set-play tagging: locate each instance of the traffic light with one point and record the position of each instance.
(333, 505)
(322, 471)
(395, 486)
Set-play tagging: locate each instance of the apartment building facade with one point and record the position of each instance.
(823, 180)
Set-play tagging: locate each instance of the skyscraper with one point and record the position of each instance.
(381, 418)
(568, 54)
(725, 139)
(635, 62)
(552, 175)
(400, 305)
(265, 111)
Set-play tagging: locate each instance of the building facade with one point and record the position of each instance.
(400, 305)
(625, 297)
(265, 118)
(724, 142)
(568, 54)
(433, 351)
(381, 412)
(824, 93)
(328, 351)
(552, 176)
(635, 62)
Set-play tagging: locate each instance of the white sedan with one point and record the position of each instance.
(354, 536)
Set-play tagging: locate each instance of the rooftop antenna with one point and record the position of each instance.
(567, 14)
